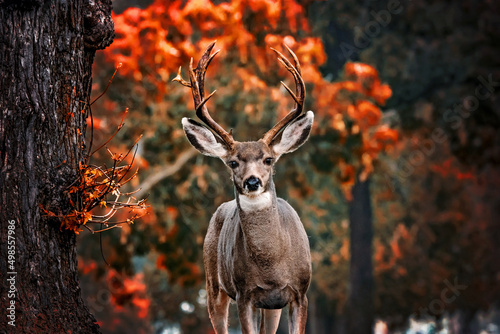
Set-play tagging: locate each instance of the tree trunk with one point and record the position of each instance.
(46, 54)
(360, 300)
(467, 322)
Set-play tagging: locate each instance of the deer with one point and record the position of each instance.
(256, 251)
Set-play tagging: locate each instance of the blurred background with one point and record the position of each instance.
(398, 186)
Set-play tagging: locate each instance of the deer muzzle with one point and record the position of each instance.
(252, 183)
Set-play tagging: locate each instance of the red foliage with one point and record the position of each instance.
(448, 169)
(165, 32)
(118, 300)
(365, 113)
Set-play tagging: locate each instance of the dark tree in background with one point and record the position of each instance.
(46, 53)
(360, 316)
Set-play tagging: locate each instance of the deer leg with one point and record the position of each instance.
(269, 321)
(248, 315)
(218, 306)
(298, 316)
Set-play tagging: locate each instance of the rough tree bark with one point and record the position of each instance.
(46, 52)
(359, 318)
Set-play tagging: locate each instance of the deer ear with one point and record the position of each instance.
(294, 135)
(203, 139)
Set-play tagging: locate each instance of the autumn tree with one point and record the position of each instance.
(349, 137)
(349, 142)
(46, 53)
(434, 193)
(437, 57)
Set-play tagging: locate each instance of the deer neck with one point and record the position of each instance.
(261, 223)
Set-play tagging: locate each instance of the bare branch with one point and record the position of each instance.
(165, 172)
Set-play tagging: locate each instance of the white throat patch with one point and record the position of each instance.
(255, 203)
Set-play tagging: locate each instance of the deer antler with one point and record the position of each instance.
(197, 83)
(299, 97)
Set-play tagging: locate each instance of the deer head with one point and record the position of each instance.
(251, 163)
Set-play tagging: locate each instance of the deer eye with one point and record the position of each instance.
(233, 164)
(268, 161)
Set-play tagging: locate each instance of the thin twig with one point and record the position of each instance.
(109, 84)
(114, 134)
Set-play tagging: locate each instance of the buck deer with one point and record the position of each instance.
(256, 250)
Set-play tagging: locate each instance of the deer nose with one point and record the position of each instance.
(252, 183)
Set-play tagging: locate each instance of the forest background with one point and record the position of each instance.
(405, 95)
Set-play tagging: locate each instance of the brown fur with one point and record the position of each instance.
(261, 259)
